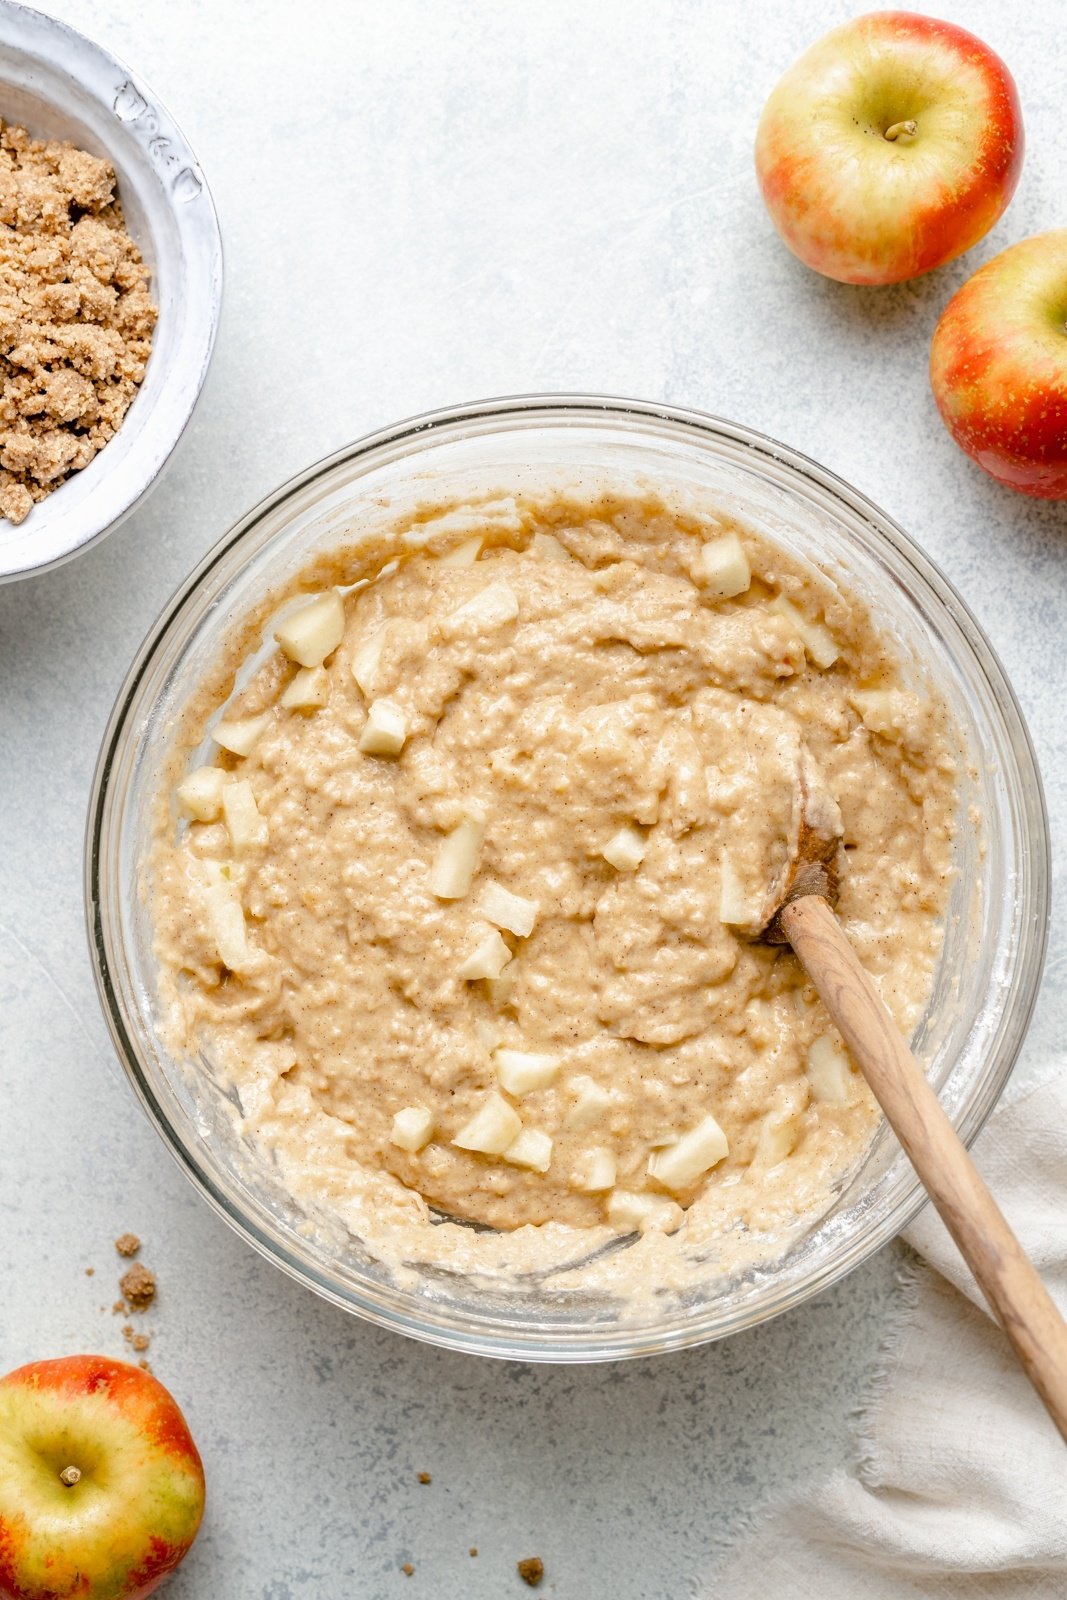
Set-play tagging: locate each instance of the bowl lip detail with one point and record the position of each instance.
(503, 1340)
(39, 37)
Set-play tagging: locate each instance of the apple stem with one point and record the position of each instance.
(909, 129)
(70, 1476)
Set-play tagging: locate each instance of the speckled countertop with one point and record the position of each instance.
(425, 201)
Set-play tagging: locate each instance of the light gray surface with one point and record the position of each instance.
(425, 201)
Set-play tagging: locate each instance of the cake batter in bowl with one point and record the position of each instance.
(572, 1110)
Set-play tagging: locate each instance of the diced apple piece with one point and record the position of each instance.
(487, 1031)
(487, 960)
(500, 989)
(228, 927)
(491, 608)
(224, 872)
(531, 1149)
(200, 794)
(456, 859)
(241, 814)
(309, 690)
(493, 1127)
(722, 568)
(696, 1152)
(311, 634)
(508, 910)
(462, 555)
(412, 1128)
(733, 906)
(239, 734)
(522, 1071)
(777, 1138)
(385, 729)
(829, 1072)
(594, 1170)
(885, 711)
(366, 658)
(821, 645)
(625, 850)
(548, 548)
(818, 640)
(591, 1103)
(643, 1212)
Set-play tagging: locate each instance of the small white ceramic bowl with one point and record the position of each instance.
(60, 85)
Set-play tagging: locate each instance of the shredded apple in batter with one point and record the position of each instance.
(462, 902)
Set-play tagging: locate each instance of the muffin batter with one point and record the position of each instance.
(463, 902)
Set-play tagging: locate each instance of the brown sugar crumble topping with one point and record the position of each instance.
(424, 1477)
(531, 1571)
(138, 1286)
(127, 1244)
(76, 319)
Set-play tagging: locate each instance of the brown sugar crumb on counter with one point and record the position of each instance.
(474, 1550)
(139, 1287)
(127, 1244)
(138, 1341)
(76, 319)
(407, 1569)
(89, 1271)
(424, 1477)
(531, 1571)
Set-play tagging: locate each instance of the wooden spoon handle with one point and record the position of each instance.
(1019, 1300)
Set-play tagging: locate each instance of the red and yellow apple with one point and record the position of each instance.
(889, 148)
(998, 366)
(101, 1485)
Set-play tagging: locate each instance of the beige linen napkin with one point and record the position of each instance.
(960, 1484)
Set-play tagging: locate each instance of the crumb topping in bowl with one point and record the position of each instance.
(76, 318)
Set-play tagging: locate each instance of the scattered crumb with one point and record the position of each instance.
(139, 1287)
(89, 1271)
(474, 1549)
(146, 1366)
(531, 1571)
(407, 1569)
(76, 319)
(424, 1477)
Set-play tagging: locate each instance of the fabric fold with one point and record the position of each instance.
(959, 1483)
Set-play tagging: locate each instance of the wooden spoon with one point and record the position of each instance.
(803, 917)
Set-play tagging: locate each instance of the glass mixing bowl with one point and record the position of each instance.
(995, 930)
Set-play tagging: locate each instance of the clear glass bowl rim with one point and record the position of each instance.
(493, 1338)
